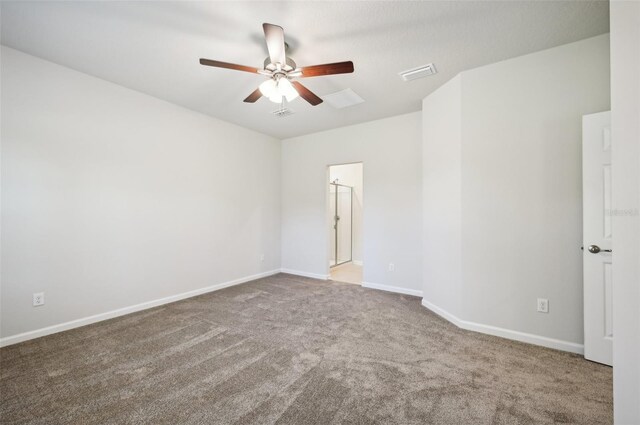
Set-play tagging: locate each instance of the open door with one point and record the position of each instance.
(597, 234)
(345, 223)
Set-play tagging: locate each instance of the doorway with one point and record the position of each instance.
(345, 222)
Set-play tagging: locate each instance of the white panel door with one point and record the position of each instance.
(597, 232)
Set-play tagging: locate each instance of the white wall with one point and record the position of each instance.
(520, 162)
(112, 198)
(625, 132)
(441, 196)
(390, 152)
(351, 175)
(522, 185)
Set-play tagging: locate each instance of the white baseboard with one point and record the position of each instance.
(543, 341)
(389, 288)
(306, 274)
(14, 339)
(357, 262)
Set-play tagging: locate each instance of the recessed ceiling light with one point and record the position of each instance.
(343, 99)
(419, 72)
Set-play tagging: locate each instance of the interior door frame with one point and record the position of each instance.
(329, 218)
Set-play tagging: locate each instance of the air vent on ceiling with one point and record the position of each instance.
(419, 72)
(343, 98)
(283, 112)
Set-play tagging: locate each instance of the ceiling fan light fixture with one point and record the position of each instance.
(292, 96)
(276, 89)
(276, 98)
(280, 68)
(268, 88)
(286, 89)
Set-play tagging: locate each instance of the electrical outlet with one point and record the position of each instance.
(38, 299)
(392, 267)
(262, 258)
(543, 305)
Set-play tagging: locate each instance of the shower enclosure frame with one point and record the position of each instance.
(336, 219)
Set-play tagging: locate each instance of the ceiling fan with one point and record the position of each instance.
(281, 71)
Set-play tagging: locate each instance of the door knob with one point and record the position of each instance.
(594, 249)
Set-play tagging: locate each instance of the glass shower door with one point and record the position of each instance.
(340, 202)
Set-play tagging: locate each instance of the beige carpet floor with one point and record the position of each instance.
(291, 350)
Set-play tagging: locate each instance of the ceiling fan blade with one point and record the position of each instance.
(274, 35)
(254, 96)
(218, 64)
(327, 69)
(306, 94)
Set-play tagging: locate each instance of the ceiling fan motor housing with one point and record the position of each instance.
(289, 66)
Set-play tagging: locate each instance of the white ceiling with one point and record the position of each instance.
(154, 47)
